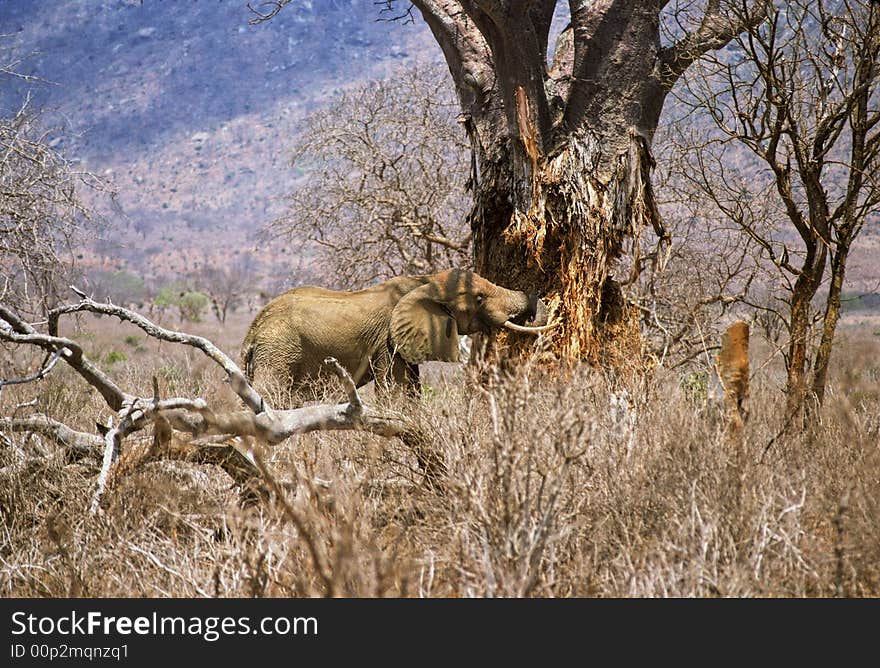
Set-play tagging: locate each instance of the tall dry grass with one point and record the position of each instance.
(576, 486)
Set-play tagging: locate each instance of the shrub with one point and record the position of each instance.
(191, 304)
(113, 357)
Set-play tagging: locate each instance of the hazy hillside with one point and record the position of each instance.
(188, 109)
(190, 112)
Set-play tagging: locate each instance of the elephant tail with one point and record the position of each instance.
(248, 361)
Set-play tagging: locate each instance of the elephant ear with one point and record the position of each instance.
(422, 329)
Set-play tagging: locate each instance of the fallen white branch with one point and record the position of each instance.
(237, 379)
(199, 421)
(16, 330)
(77, 442)
(192, 418)
(354, 398)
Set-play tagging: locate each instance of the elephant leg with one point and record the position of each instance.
(406, 374)
(364, 373)
(380, 371)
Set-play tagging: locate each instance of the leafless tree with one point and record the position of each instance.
(561, 169)
(226, 283)
(41, 214)
(687, 291)
(801, 96)
(382, 186)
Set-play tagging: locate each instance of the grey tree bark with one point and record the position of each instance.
(562, 168)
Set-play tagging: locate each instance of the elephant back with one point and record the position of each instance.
(296, 331)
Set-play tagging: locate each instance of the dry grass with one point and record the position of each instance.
(554, 488)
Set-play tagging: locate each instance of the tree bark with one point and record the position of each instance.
(558, 190)
(829, 322)
(561, 154)
(560, 232)
(805, 288)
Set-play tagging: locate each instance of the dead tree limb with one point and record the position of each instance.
(237, 379)
(15, 330)
(76, 442)
(184, 427)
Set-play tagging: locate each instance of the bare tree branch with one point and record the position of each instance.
(15, 330)
(381, 187)
(237, 379)
(190, 416)
(717, 29)
(265, 11)
(798, 97)
(42, 373)
(77, 442)
(464, 47)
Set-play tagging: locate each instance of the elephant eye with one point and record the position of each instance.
(481, 299)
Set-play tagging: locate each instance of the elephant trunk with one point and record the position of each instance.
(536, 315)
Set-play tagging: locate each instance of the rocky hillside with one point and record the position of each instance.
(189, 112)
(188, 109)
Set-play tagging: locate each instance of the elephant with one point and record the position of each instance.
(383, 332)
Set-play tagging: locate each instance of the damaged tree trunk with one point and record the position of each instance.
(558, 226)
(561, 154)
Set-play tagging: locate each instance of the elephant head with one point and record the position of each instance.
(426, 322)
(385, 331)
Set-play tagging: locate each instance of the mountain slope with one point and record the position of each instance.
(188, 109)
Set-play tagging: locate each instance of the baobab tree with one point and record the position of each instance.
(561, 138)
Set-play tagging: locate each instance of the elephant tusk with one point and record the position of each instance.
(529, 330)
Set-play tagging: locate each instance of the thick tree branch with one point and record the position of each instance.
(77, 442)
(494, 46)
(715, 31)
(541, 15)
(594, 34)
(190, 416)
(236, 378)
(16, 330)
(465, 49)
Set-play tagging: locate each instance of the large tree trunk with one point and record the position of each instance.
(561, 166)
(558, 228)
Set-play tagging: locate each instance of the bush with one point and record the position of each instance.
(113, 357)
(191, 304)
